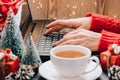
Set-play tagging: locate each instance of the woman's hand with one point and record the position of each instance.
(82, 37)
(69, 23)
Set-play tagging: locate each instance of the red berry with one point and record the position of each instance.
(8, 50)
(6, 56)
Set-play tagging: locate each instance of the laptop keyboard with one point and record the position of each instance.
(45, 43)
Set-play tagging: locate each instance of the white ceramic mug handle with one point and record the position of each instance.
(94, 58)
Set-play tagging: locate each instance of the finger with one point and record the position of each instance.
(70, 42)
(65, 39)
(66, 30)
(60, 41)
(50, 30)
(79, 31)
(60, 23)
(71, 33)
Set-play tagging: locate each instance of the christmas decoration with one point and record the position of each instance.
(5, 5)
(114, 72)
(110, 57)
(110, 61)
(25, 72)
(8, 63)
(31, 57)
(116, 49)
(11, 36)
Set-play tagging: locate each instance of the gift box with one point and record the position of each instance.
(110, 61)
(8, 63)
(110, 57)
(114, 59)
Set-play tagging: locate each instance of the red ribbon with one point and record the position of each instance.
(3, 69)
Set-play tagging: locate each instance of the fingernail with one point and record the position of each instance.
(54, 45)
(44, 34)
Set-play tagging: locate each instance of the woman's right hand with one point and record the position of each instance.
(69, 23)
(82, 37)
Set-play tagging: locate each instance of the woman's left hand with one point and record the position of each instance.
(69, 23)
(82, 37)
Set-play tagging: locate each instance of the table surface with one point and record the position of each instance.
(45, 58)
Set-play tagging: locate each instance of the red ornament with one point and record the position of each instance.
(8, 50)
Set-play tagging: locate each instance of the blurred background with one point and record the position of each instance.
(35, 11)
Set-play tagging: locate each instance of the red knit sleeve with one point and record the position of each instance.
(108, 38)
(100, 22)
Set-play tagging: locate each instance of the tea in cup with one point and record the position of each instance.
(71, 60)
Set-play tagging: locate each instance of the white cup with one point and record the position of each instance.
(72, 67)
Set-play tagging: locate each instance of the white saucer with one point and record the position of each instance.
(47, 71)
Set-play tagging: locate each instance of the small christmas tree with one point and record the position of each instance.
(11, 36)
(31, 57)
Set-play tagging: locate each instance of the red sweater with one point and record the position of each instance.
(109, 27)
